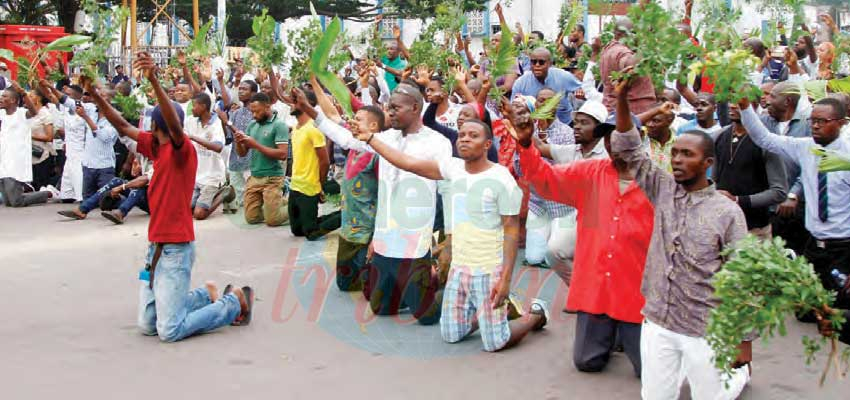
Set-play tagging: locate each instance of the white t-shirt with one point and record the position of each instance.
(15, 146)
(210, 164)
(478, 202)
(449, 118)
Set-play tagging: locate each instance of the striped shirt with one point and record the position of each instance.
(558, 133)
(99, 151)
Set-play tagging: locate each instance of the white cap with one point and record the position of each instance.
(3, 65)
(594, 109)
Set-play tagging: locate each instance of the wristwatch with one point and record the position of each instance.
(792, 196)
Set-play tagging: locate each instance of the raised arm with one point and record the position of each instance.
(405, 53)
(225, 94)
(323, 101)
(112, 115)
(425, 168)
(187, 75)
(28, 104)
(785, 146)
(145, 63)
(332, 130)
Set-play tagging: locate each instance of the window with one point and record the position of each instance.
(387, 26)
(476, 23)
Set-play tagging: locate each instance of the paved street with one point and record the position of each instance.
(71, 291)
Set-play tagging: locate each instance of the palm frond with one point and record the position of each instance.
(547, 110)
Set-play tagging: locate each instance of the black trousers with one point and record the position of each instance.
(42, 173)
(834, 255)
(395, 283)
(304, 217)
(351, 267)
(594, 341)
(792, 230)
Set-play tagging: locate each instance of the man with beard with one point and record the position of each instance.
(267, 137)
(748, 175)
(693, 225)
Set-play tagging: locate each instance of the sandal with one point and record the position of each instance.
(244, 318)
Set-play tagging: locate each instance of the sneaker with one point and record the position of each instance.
(540, 307)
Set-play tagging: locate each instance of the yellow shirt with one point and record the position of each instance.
(305, 162)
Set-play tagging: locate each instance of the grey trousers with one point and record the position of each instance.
(595, 339)
(14, 196)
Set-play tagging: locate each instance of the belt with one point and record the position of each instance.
(822, 244)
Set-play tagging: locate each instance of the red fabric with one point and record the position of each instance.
(705, 85)
(356, 104)
(613, 234)
(170, 189)
(507, 145)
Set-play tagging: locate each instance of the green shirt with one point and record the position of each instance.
(399, 64)
(270, 134)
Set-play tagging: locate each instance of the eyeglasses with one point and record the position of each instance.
(538, 62)
(822, 121)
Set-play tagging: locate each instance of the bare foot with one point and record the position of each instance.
(212, 289)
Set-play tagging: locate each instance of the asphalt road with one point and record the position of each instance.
(71, 292)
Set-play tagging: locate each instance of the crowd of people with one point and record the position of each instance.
(631, 195)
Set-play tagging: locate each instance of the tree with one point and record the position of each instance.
(27, 12)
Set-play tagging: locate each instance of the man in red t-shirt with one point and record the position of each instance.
(166, 305)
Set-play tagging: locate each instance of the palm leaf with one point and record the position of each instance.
(67, 43)
(831, 161)
(504, 60)
(337, 89)
(7, 54)
(547, 110)
(322, 52)
(199, 47)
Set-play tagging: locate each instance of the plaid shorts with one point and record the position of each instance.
(467, 296)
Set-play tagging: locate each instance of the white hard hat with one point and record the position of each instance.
(594, 109)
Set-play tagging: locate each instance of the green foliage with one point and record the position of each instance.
(450, 17)
(319, 66)
(546, 111)
(842, 48)
(571, 13)
(422, 9)
(106, 23)
(304, 41)
(27, 65)
(129, 106)
(758, 288)
(7, 54)
(26, 71)
(586, 52)
(502, 62)
(729, 71)
(199, 46)
(262, 44)
(66, 43)
(658, 45)
(717, 25)
(831, 160)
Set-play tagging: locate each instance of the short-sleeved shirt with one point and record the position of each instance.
(397, 63)
(305, 162)
(38, 125)
(170, 190)
(270, 133)
(478, 202)
(210, 163)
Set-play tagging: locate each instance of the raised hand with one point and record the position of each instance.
(219, 75)
(396, 32)
(181, 58)
(460, 74)
(145, 63)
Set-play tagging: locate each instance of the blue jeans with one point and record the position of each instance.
(134, 198)
(129, 198)
(171, 310)
(95, 178)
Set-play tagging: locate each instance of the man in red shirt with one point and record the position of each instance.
(614, 217)
(166, 305)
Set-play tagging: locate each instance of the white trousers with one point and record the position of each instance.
(71, 186)
(552, 240)
(668, 358)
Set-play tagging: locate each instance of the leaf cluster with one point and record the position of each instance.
(268, 53)
(129, 106)
(546, 111)
(502, 61)
(27, 65)
(305, 40)
(106, 23)
(658, 44)
(831, 160)
(729, 71)
(571, 13)
(757, 289)
(319, 61)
